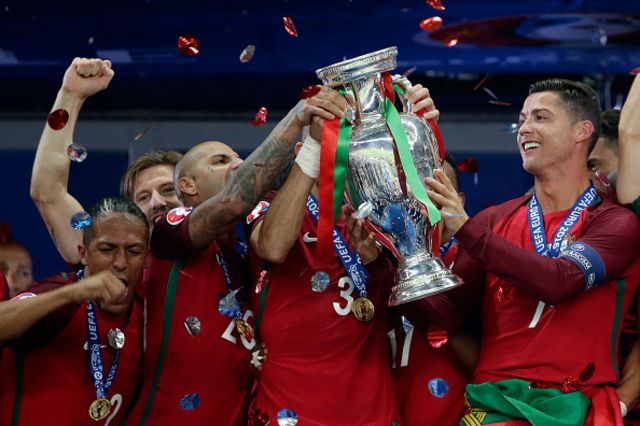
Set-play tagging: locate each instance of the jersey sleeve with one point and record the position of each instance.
(170, 237)
(609, 245)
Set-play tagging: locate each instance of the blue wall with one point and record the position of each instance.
(500, 178)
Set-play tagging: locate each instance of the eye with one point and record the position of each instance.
(142, 198)
(168, 190)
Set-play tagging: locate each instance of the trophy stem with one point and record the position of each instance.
(421, 275)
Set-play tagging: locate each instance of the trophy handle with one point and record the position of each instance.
(404, 82)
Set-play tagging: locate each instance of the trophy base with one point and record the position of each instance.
(422, 275)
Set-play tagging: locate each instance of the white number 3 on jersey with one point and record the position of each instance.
(345, 293)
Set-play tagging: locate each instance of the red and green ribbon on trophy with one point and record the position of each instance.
(334, 160)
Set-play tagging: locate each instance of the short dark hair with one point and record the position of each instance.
(448, 158)
(581, 101)
(150, 159)
(107, 206)
(609, 128)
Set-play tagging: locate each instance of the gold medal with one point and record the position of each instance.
(99, 409)
(244, 328)
(363, 309)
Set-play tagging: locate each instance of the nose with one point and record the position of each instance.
(157, 201)
(119, 263)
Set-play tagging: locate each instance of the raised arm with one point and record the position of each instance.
(628, 184)
(257, 175)
(50, 174)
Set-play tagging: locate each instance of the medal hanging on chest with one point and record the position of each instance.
(229, 305)
(101, 407)
(362, 308)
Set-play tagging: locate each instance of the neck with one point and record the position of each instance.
(560, 193)
(315, 190)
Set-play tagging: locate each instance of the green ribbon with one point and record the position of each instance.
(169, 304)
(341, 165)
(409, 167)
(515, 399)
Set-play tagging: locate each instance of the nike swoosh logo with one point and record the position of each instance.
(307, 239)
(86, 346)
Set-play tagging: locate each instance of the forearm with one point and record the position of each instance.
(629, 389)
(628, 183)
(51, 166)
(277, 233)
(551, 280)
(18, 316)
(246, 186)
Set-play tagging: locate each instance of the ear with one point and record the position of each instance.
(187, 186)
(584, 130)
(83, 254)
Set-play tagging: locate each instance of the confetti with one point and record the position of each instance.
(289, 26)
(436, 4)
(261, 118)
(469, 165)
(410, 71)
(81, 220)
(451, 41)
(58, 119)
(188, 45)
(142, 134)
(431, 24)
(437, 336)
(77, 153)
(481, 82)
(247, 53)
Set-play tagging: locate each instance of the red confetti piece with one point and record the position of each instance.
(58, 119)
(569, 385)
(410, 71)
(247, 53)
(261, 280)
(289, 26)
(261, 118)
(5, 231)
(604, 179)
(481, 82)
(500, 295)
(309, 92)
(587, 373)
(635, 71)
(188, 45)
(437, 337)
(499, 103)
(469, 165)
(431, 24)
(436, 4)
(451, 41)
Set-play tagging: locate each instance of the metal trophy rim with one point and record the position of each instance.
(360, 66)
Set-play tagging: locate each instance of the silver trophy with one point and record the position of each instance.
(374, 169)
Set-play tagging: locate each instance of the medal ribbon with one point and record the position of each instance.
(349, 259)
(234, 310)
(95, 359)
(446, 246)
(536, 222)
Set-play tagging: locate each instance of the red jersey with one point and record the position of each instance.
(323, 363)
(521, 332)
(415, 362)
(50, 366)
(196, 365)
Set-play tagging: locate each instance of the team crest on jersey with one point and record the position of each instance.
(177, 215)
(568, 240)
(25, 295)
(258, 211)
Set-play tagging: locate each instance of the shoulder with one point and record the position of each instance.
(493, 214)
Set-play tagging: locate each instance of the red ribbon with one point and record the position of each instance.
(329, 143)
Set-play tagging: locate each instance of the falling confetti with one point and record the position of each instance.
(81, 220)
(451, 41)
(490, 93)
(247, 53)
(58, 119)
(499, 103)
(438, 387)
(587, 373)
(289, 26)
(77, 153)
(188, 45)
(261, 118)
(309, 92)
(437, 337)
(436, 4)
(511, 128)
(599, 37)
(431, 24)
(90, 41)
(410, 71)
(481, 82)
(469, 165)
(190, 402)
(142, 134)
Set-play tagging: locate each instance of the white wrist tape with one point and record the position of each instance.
(623, 409)
(308, 158)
